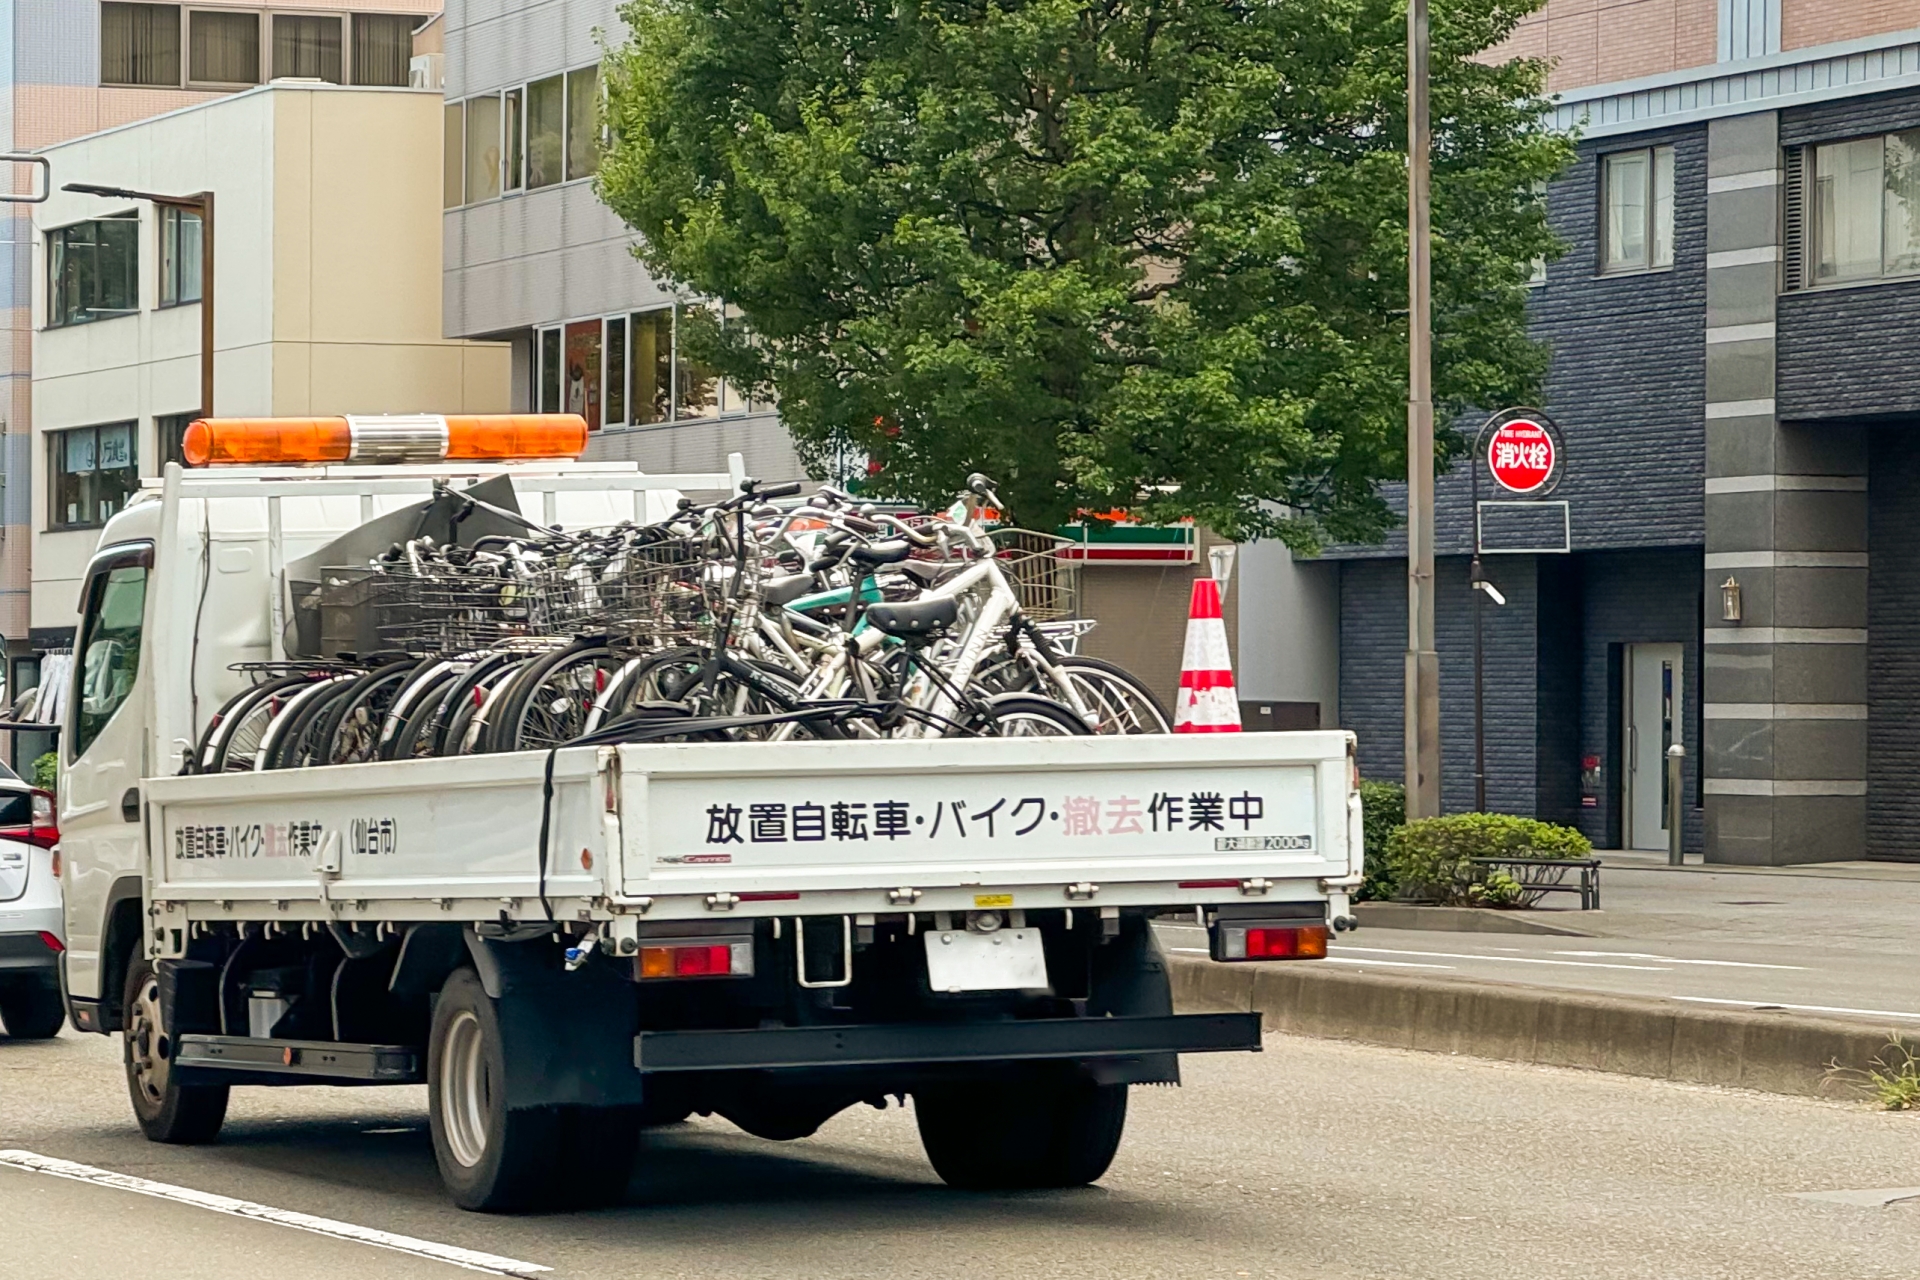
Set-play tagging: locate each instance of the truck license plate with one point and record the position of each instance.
(1004, 960)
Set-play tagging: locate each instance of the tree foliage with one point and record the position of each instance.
(1116, 253)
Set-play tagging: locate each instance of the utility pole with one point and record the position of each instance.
(1423, 661)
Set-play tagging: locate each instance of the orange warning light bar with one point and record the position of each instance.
(395, 439)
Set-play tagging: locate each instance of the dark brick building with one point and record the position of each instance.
(1735, 332)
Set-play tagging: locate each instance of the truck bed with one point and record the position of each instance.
(747, 829)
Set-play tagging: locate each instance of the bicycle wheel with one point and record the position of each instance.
(281, 744)
(1116, 698)
(466, 733)
(413, 736)
(230, 718)
(1026, 715)
(427, 679)
(466, 695)
(350, 733)
(550, 700)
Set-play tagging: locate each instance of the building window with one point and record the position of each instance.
(651, 359)
(93, 270)
(549, 380)
(1637, 209)
(453, 148)
(170, 435)
(1865, 223)
(513, 126)
(93, 472)
(382, 49)
(615, 408)
(223, 47)
(698, 392)
(139, 44)
(483, 148)
(583, 122)
(546, 132)
(179, 256)
(307, 47)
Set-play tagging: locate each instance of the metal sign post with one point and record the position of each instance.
(1522, 450)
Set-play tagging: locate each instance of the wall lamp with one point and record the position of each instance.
(1730, 600)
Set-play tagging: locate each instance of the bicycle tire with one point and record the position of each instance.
(1005, 714)
(461, 694)
(1121, 700)
(427, 677)
(292, 720)
(350, 732)
(467, 729)
(422, 716)
(541, 710)
(231, 716)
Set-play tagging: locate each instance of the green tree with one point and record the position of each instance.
(1137, 253)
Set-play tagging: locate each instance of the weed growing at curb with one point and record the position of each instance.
(1893, 1078)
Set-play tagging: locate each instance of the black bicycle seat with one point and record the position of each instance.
(919, 618)
(879, 553)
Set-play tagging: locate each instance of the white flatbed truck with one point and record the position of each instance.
(769, 932)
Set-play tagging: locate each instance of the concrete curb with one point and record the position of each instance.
(1406, 915)
(1658, 1039)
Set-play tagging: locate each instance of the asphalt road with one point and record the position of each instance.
(1314, 1159)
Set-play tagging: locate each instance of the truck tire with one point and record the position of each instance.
(1000, 1135)
(167, 1111)
(493, 1158)
(32, 1012)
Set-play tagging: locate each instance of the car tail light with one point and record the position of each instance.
(1256, 940)
(41, 830)
(53, 941)
(695, 958)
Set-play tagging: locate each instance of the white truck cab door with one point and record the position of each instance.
(102, 748)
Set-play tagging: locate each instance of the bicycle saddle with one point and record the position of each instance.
(880, 553)
(787, 589)
(920, 618)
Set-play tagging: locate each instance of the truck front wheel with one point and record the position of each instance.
(993, 1135)
(166, 1110)
(492, 1157)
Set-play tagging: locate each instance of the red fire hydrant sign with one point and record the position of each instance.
(1520, 455)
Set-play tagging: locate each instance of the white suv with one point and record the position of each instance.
(31, 933)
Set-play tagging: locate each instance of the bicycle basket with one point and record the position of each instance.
(365, 609)
(646, 594)
(1048, 584)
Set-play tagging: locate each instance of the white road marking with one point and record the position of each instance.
(470, 1259)
(1398, 964)
(1722, 964)
(1456, 955)
(1802, 1008)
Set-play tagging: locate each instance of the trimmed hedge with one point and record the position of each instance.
(1428, 860)
(1383, 807)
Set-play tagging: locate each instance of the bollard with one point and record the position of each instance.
(1676, 852)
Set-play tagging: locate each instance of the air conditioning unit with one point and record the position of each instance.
(426, 71)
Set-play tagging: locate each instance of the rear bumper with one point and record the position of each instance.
(22, 949)
(925, 1044)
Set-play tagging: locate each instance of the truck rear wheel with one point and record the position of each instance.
(32, 1012)
(493, 1158)
(166, 1110)
(1053, 1131)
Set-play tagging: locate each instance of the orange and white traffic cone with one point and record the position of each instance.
(1208, 701)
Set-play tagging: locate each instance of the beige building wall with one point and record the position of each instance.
(327, 235)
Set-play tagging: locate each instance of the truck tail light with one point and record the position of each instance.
(41, 830)
(695, 958)
(424, 437)
(1255, 940)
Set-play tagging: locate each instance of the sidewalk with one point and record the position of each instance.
(1800, 964)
